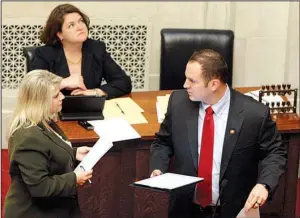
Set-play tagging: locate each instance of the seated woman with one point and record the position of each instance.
(81, 61)
(42, 159)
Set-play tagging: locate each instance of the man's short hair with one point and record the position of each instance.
(212, 63)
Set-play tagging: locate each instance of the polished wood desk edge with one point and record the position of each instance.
(287, 123)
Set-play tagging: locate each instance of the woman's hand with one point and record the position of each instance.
(81, 152)
(82, 177)
(74, 81)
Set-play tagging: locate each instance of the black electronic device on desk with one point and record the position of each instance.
(82, 108)
(85, 124)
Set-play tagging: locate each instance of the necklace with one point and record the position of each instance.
(72, 62)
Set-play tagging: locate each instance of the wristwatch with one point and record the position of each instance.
(267, 187)
(100, 93)
(97, 93)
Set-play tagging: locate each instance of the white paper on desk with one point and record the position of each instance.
(253, 213)
(116, 129)
(98, 150)
(168, 181)
(161, 107)
(160, 113)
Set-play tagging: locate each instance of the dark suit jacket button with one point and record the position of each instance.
(71, 165)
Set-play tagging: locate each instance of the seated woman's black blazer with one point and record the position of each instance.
(96, 64)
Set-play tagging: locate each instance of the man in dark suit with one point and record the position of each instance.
(221, 135)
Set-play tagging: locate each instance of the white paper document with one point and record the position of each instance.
(116, 129)
(168, 181)
(253, 213)
(160, 113)
(266, 98)
(161, 107)
(98, 150)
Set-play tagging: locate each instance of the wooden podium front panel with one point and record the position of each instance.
(289, 193)
(101, 197)
(110, 195)
(150, 203)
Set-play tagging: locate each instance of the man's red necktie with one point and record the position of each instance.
(204, 189)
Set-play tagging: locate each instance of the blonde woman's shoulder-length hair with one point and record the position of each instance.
(36, 91)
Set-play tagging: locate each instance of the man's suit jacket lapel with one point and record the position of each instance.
(192, 127)
(233, 128)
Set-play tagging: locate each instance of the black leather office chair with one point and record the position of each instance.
(28, 52)
(178, 45)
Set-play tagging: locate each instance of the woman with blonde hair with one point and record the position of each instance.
(42, 159)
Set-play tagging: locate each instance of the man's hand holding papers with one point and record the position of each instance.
(155, 173)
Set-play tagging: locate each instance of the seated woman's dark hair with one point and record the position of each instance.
(56, 20)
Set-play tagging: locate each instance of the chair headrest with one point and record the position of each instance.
(29, 53)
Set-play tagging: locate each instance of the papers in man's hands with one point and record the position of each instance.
(253, 213)
(126, 108)
(168, 181)
(266, 98)
(161, 107)
(99, 149)
(117, 129)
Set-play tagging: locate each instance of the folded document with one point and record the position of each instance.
(94, 155)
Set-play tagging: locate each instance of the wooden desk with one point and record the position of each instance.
(110, 196)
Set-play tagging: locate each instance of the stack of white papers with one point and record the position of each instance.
(161, 107)
(110, 131)
(113, 130)
(168, 181)
(98, 150)
(126, 108)
(266, 98)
